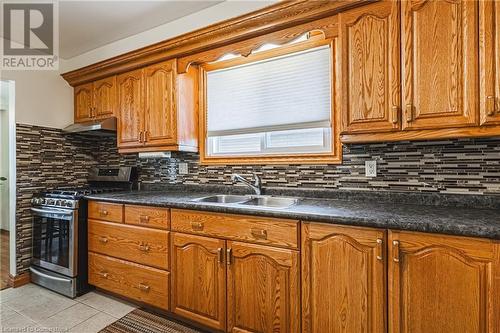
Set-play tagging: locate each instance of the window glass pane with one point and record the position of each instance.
(236, 144)
(296, 138)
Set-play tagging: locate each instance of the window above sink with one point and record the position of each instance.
(274, 106)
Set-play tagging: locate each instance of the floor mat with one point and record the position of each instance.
(142, 321)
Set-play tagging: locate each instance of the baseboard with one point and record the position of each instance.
(19, 280)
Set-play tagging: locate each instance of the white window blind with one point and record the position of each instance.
(284, 93)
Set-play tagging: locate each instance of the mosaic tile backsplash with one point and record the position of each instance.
(46, 158)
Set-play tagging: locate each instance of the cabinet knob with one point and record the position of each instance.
(103, 240)
(144, 219)
(103, 212)
(103, 274)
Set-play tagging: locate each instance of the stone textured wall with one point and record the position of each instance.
(46, 158)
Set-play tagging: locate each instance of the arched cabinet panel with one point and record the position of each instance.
(263, 289)
(343, 279)
(442, 284)
(199, 279)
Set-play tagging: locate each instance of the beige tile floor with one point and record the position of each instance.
(31, 308)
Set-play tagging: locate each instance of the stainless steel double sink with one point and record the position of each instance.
(262, 201)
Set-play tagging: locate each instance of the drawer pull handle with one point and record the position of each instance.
(221, 255)
(144, 287)
(409, 113)
(103, 240)
(103, 274)
(197, 226)
(380, 250)
(144, 247)
(103, 212)
(491, 107)
(395, 249)
(395, 116)
(229, 256)
(259, 233)
(144, 219)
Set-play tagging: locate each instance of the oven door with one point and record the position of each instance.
(55, 240)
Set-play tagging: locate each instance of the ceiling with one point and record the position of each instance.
(86, 25)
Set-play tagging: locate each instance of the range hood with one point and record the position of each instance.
(102, 127)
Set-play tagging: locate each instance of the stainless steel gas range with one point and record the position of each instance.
(59, 257)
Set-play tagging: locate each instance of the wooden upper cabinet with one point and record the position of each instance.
(370, 68)
(104, 97)
(83, 102)
(199, 279)
(158, 109)
(440, 67)
(130, 106)
(160, 113)
(443, 284)
(263, 289)
(489, 61)
(343, 279)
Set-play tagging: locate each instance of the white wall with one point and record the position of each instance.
(43, 98)
(203, 18)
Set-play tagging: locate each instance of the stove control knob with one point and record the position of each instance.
(66, 203)
(41, 201)
(50, 201)
(58, 203)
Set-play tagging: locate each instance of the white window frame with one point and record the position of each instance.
(313, 155)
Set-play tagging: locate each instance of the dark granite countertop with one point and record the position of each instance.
(348, 210)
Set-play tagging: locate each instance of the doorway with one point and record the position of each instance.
(7, 182)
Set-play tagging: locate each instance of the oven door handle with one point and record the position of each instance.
(36, 271)
(51, 211)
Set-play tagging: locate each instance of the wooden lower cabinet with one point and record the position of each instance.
(443, 284)
(343, 279)
(262, 286)
(138, 282)
(199, 279)
(262, 289)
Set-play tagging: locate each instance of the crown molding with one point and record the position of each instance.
(270, 19)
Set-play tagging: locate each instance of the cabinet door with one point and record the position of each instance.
(263, 289)
(160, 116)
(199, 279)
(83, 102)
(443, 284)
(343, 279)
(104, 100)
(130, 105)
(489, 61)
(439, 40)
(370, 47)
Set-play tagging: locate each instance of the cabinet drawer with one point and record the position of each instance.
(138, 282)
(271, 231)
(141, 245)
(147, 216)
(106, 211)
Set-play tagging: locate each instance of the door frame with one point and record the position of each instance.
(12, 174)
